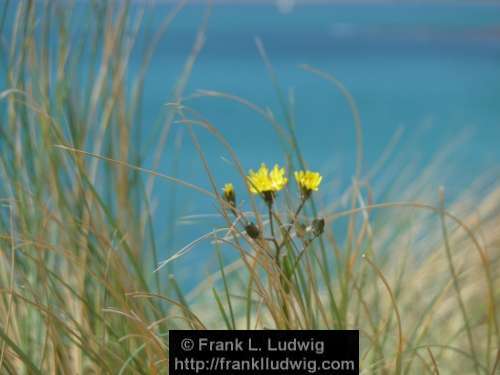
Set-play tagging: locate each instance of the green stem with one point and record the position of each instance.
(302, 252)
(278, 263)
(292, 223)
(273, 237)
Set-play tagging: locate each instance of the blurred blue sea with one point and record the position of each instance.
(407, 66)
(430, 70)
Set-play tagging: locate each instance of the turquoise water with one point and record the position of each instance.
(431, 71)
(432, 67)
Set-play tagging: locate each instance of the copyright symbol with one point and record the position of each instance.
(187, 345)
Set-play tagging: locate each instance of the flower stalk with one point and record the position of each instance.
(267, 183)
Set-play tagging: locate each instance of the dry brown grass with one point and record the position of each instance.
(420, 280)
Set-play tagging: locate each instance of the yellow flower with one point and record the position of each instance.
(308, 182)
(229, 194)
(267, 183)
(278, 178)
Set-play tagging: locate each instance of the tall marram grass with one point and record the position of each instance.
(421, 281)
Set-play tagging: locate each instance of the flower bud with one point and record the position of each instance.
(252, 231)
(318, 226)
(229, 194)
